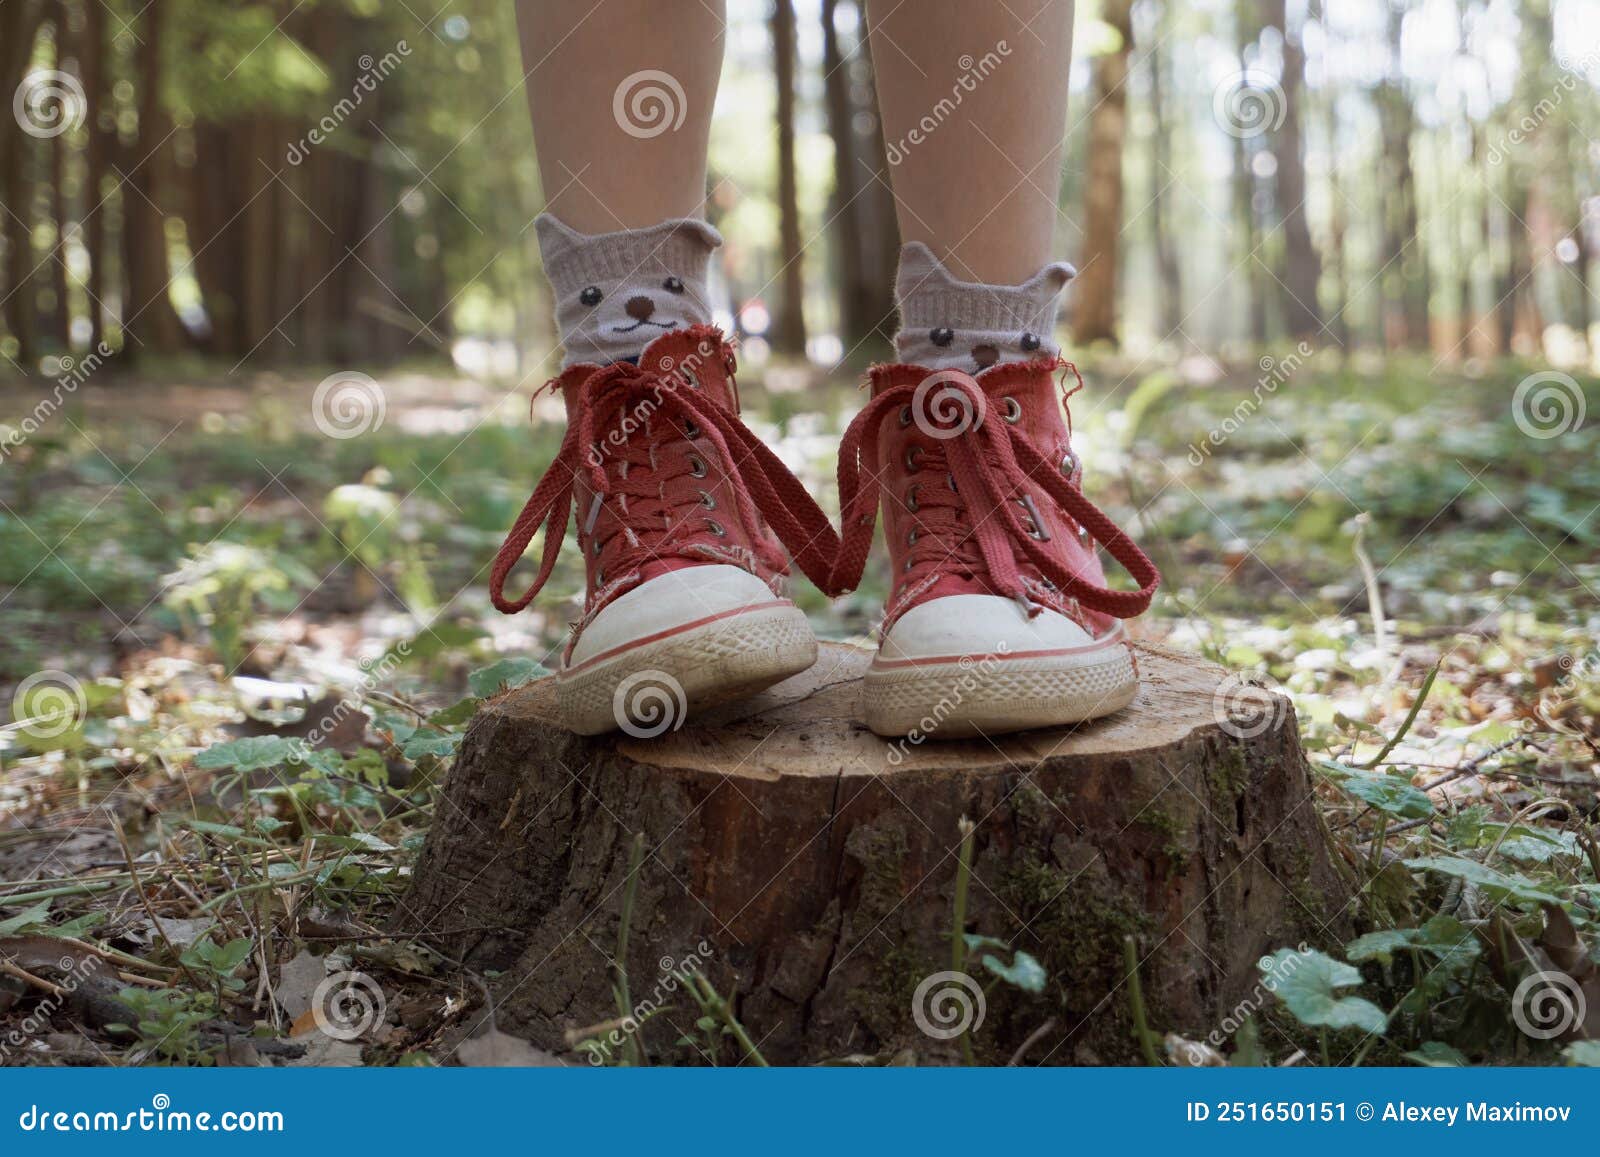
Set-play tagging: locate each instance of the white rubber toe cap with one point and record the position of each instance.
(957, 625)
(671, 602)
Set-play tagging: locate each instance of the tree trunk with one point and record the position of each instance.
(1338, 276)
(92, 66)
(788, 321)
(1405, 264)
(1301, 269)
(19, 23)
(866, 299)
(1251, 269)
(1169, 272)
(149, 323)
(1095, 308)
(810, 868)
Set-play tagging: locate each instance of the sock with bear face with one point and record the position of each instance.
(947, 324)
(617, 292)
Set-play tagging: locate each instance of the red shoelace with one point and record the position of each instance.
(975, 514)
(652, 494)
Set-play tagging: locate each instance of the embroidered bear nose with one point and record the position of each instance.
(640, 308)
(984, 355)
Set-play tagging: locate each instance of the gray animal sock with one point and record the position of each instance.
(948, 324)
(618, 292)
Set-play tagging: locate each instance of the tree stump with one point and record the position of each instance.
(809, 868)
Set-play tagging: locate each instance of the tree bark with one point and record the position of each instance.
(1169, 271)
(1095, 305)
(788, 321)
(1301, 269)
(92, 66)
(811, 868)
(19, 23)
(1247, 31)
(148, 311)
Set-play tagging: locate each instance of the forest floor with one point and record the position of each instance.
(195, 580)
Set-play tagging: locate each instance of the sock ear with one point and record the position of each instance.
(699, 230)
(556, 237)
(919, 269)
(1051, 279)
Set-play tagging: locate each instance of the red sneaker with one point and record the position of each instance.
(999, 619)
(683, 517)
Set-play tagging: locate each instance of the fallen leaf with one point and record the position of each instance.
(498, 1050)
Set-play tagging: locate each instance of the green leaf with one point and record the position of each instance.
(253, 753)
(1584, 1052)
(1307, 984)
(1381, 946)
(427, 741)
(1443, 936)
(456, 714)
(1437, 1055)
(1497, 885)
(1393, 794)
(26, 919)
(507, 673)
(974, 942)
(1024, 971)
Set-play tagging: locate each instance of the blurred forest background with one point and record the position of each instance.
(271, 327)
(1373, 175)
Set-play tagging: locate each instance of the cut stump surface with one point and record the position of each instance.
(808, 867)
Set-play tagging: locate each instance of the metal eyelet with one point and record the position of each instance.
(690, 430)
(708, 500)
(600, 578)
(1083, 535)
(905, 416)
(913, 458)
(716, 528)
(907, 567)
(594, 547)
(911, 498)
(1013, 411)
(950, 481)
(689, 376)
(697, 466)
(1069, 463)
(911, 537)
(1036, 528)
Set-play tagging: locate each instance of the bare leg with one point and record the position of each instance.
(621, 94)
(979, 186)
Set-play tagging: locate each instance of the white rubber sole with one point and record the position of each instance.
(992, 695)
(650, 688)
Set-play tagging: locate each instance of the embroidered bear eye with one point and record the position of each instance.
(590, 296)
(1030, 342)
(942, 336)
(672, 285)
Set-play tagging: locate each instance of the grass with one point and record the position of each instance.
(179, 579)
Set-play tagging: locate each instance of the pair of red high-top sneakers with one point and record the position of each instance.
(999, 618)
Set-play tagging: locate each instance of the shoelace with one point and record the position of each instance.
(762, 484)
(986, 519)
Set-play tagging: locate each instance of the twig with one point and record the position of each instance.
(23, 974)
(1136, 999)
(1034, 1038)
(1380, 626)
(1411, 717)
(958, 937)
(149, 909)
